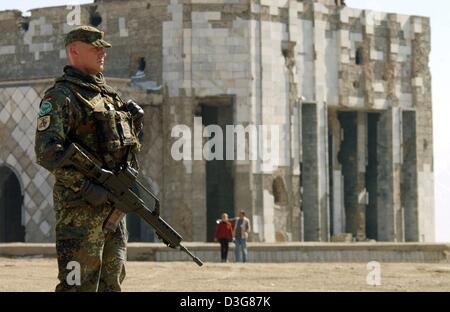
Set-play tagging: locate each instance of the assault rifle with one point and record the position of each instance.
(122, 188)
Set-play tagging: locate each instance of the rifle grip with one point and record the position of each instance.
(113, 220)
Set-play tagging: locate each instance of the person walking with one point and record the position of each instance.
(241, 230)
(224, 234)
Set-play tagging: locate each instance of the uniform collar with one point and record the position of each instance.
(97, 80)
(96, 83)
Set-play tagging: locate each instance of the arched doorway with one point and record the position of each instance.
(11, 198)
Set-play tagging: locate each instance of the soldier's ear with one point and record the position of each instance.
(72, 49)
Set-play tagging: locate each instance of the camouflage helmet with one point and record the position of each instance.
(87, 34)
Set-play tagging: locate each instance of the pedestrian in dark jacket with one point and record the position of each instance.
(224, 234)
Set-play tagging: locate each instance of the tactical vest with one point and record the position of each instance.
(104, 127)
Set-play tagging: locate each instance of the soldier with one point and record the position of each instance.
(81, 108)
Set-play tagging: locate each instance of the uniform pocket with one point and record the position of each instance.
(124, 127)
(70, 232)
(123, 229)
(107, 131)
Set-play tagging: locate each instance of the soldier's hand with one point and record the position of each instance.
(94, 194)
(137, 115)
(135, 110)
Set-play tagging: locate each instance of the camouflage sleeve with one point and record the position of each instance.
(54, 121)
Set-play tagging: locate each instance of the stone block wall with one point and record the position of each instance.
(39, 51)
(18, 110)
(273, 60)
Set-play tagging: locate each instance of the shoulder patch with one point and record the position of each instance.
(43, 123)
(46, 107)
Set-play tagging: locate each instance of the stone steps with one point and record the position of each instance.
(261, 252)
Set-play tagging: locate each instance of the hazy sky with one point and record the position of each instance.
(438, 11)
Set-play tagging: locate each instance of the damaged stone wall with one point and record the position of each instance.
(39, 51)
(421, 88)
(19, 105)
(382, 80)
(294, 65)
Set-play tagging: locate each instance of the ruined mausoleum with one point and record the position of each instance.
(350, 89)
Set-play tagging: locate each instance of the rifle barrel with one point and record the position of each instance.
(196, 259)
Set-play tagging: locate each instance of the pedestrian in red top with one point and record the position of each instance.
(224, 234)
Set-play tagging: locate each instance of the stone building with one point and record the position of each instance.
(350, 90)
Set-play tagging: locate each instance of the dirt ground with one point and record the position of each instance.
(40, 275)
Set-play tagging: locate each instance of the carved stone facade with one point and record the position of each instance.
(349, 90)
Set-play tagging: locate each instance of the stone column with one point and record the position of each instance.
(409, 177)
(352, 157)
(337, 199)
(421, 83)
(314, 175)
(361, 147)
(390, 214)
(319, 32)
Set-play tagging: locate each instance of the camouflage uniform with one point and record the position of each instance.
(81, 108)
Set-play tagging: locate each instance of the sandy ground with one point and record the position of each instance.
(40, 275)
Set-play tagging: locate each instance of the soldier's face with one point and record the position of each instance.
(92, 59)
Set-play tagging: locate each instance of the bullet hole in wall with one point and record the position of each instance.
(279, 191)
(358, 56)
(95, 18)
(340, 2)
(140, 73)
(141, 64)
(23, 26)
